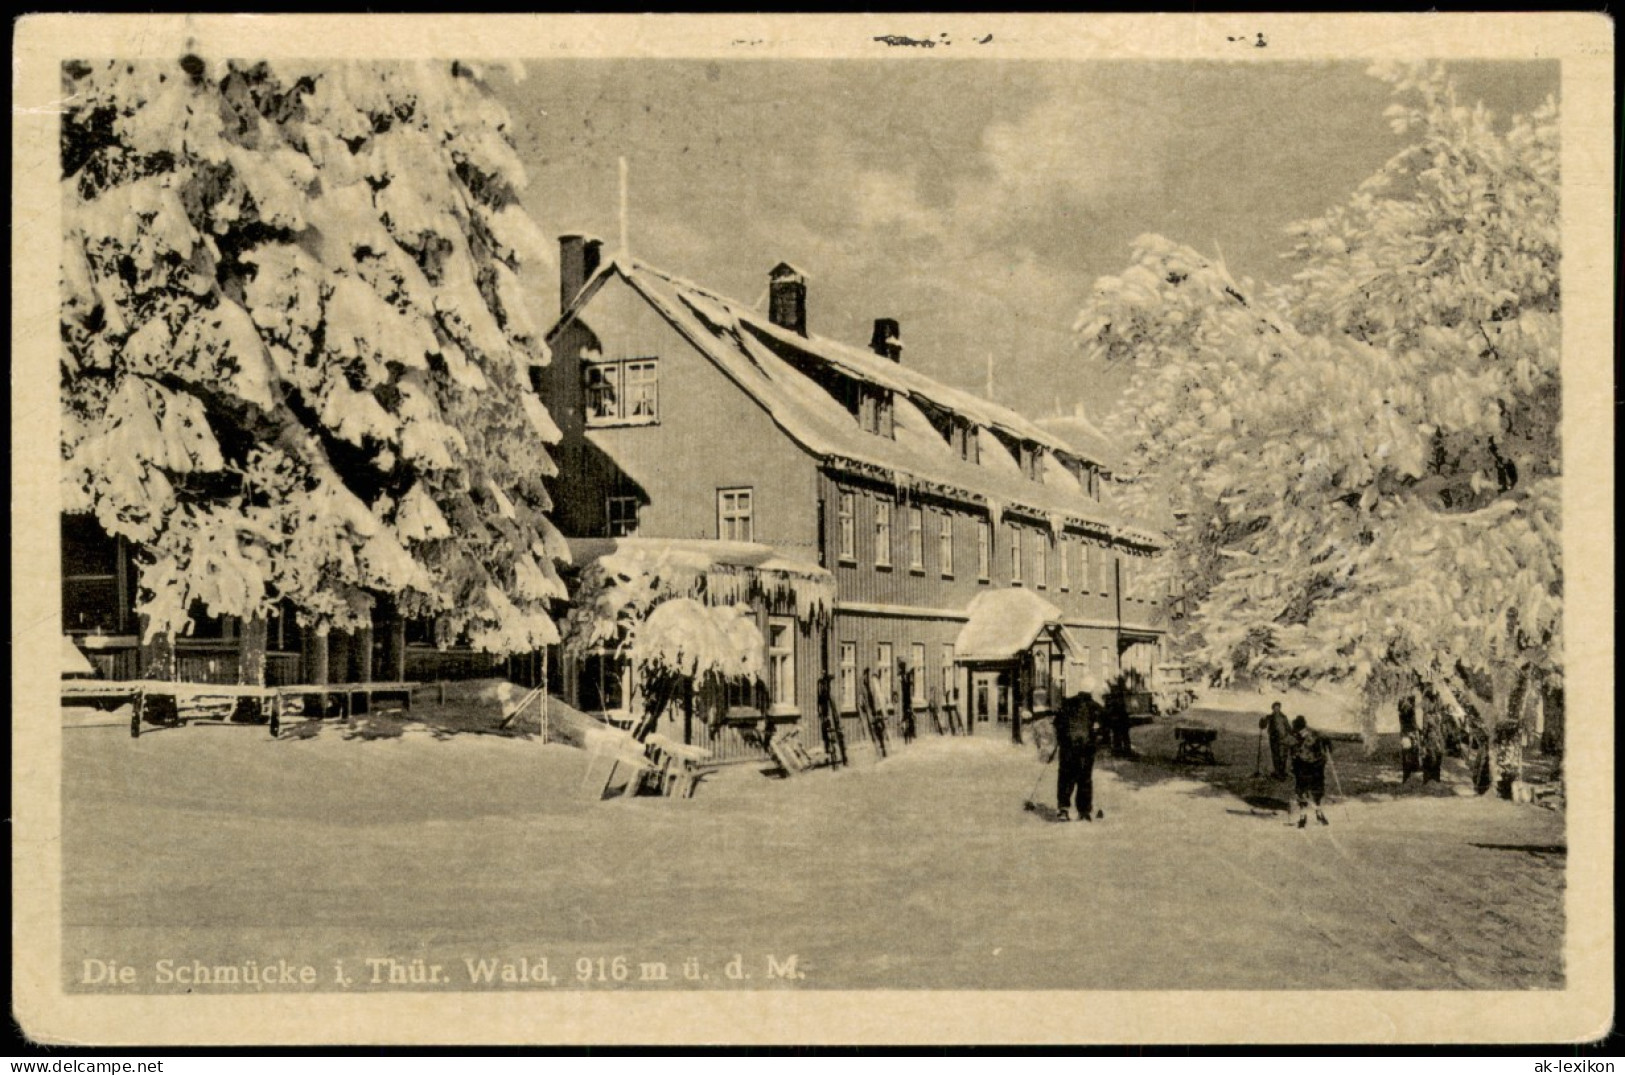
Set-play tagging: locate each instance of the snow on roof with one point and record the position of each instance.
(1004, 622)
(693, 639)
(757, 355)
(1086, 438)
(719, 572)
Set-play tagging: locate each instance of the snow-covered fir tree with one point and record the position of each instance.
(295, 347)
(1363, 465)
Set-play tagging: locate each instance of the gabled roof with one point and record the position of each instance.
(762, 358)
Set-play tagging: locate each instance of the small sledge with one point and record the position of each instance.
(1195, 744)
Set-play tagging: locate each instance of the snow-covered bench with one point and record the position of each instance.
(678, 768)
(138, 692)
(346, 693)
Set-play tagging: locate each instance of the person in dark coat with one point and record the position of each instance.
(829, 722)
(1280, 733)
(1075, 736)
(905, 716)
(1310, 750)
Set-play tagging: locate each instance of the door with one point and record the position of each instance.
(983, 688)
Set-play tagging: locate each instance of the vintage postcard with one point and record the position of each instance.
(830, 530)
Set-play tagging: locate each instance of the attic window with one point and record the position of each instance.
(622, 392)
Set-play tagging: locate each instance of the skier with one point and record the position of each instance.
(1280, 732)
(829, 723)
(1075, 747)
(905, 716)
(1310, 750)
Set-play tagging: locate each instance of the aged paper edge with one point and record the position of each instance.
(1581, 1011)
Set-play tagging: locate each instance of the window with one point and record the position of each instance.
(984, 549)
(1015, 554)
(883, 674)
(849, 675)
(948, 674)
(94, 583)
(642, 390)
(1066, 565)
(1041, 561)
(781, 661)
(734, 515)
(849, 526)
(916, 653)
(1105, 571)
(622, 391)
(603, 392)
(945, 544)
(882, 533)
(916, 539)
(967, 443)
(742, 693)
(1084, 578)
(875, 411)
(604, 680)
(623, 515)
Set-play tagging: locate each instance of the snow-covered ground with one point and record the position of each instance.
(220, 844)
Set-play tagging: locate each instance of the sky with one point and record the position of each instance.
(974, 201)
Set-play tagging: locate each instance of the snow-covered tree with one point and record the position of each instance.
(645, 604)
(295, 346)
(1363, 465)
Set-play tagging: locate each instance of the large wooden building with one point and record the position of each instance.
(963, 540)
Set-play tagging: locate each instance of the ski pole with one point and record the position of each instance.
(1043, 768)
(1337, 782)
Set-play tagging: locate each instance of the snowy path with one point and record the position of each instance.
(918, 871)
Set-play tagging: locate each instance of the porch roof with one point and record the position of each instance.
(1005, 622)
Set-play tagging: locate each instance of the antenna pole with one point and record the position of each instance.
(625, 249)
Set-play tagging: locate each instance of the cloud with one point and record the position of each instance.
(891, 199)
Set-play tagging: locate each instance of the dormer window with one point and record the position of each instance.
(875, 411)
(964, 442)
(1027, 459)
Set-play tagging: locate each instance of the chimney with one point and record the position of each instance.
(787, 298)
(578, 260)
(887, 341)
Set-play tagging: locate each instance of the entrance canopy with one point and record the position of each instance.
(1004, 623)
